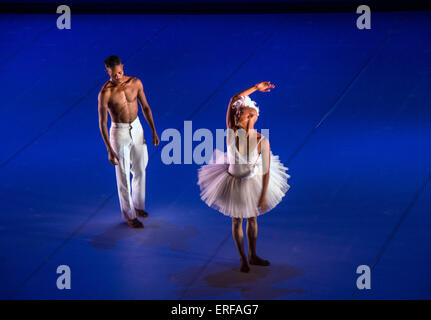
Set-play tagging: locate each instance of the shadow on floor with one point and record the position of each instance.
(156, 232)
(225, 278)
(109, 238)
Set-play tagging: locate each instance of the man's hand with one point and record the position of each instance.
(155, 139)
(113, 157)
(264, 86)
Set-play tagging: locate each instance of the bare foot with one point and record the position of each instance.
(135, 223)
(141, 213)
(244, 267)
(255, 260)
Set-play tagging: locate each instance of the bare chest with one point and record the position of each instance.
(124, 94)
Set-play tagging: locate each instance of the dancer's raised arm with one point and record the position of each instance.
(264, 86)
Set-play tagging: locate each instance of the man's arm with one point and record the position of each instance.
(147, 111)
(103, 126)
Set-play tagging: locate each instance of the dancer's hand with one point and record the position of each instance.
(155, 139)
(262, 204)
(113, 157)
(264, 86)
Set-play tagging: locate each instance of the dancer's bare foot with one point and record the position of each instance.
(135, 223)
(141, 213)
(255, 260)
(244, 266)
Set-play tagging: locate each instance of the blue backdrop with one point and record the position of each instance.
(349, 116)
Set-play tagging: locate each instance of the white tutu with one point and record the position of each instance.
(238, 196)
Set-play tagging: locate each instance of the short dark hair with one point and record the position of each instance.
(112, 61)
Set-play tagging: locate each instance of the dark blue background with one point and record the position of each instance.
(349, 116)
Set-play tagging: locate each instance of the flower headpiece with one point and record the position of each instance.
(245, 101)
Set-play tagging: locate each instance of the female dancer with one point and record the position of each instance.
(243, 184)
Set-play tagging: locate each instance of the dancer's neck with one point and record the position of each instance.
(248, 129)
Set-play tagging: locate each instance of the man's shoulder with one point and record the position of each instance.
(134, 80)
(106, 88)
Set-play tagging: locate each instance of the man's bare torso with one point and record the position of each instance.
(122, 99)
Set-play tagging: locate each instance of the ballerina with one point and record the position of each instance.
(243, 184)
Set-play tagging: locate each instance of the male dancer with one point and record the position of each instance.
(126, 143)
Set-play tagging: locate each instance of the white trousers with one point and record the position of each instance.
(128, 141)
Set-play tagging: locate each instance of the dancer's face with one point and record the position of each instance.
(247, 115)
(116, 73)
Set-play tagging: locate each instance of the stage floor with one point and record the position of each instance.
(350, 116)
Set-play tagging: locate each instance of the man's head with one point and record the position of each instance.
(114, 68)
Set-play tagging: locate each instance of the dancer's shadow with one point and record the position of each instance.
(111, 236)
(156, 232)
(225, 278)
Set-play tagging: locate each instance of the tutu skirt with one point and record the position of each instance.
(238, 197)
